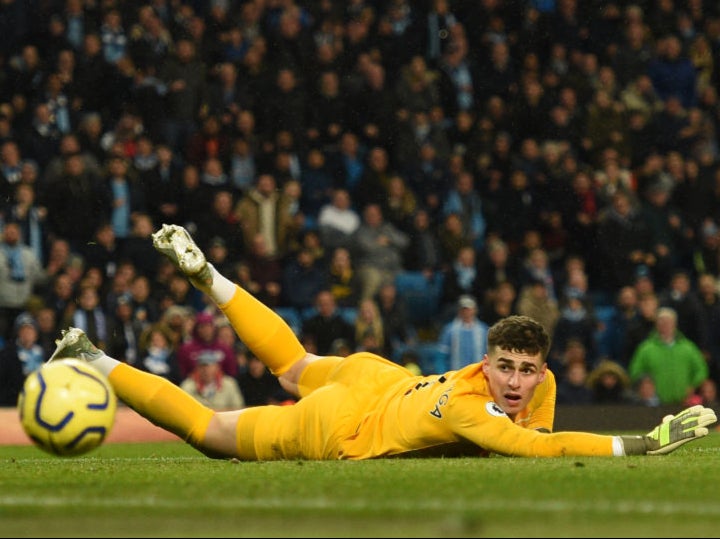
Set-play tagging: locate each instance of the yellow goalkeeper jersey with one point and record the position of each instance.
(371, 407)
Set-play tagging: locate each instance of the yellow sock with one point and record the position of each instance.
(162, 402)
(263, 331)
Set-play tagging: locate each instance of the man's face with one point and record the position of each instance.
(513, 377)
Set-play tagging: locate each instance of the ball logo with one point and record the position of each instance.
(494, 409)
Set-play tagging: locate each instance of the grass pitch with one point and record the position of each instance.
(170, 490)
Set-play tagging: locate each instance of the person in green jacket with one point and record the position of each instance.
(674, 362)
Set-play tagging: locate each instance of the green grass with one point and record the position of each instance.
(170, 490)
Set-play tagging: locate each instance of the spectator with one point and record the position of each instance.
(344, 282)
(48, 328)
(399, 333)
(496, 264)
(20, 273)
(372, 107)
(535, 302)
(708, 394)
(137, 247)
(452, 237)
(125, 194)
(463, 339)
(21, 355)
(575, 322)
(303, 277)
(458, 76)
(710, 300)
(500, 303)
(264, 272)
(347, 164)
(258, 386)
(634, 53)
(209, 142)
(208, 384)
(162, 185)
(440, 20)
(124, 331)
(338, 221)
(624, 243)
(185, 76)
(285, 104)
(429, 177)
(89, 314)
(157, 347)
(220, 222)
(641, 326)
(372, 185)
(70, 144)
(327, 324)
(610, 383)
(380, 248)
(624, 313)
(400, 204)
(668, 230)
(672, 72)
(32, 219)
(536, 266)
(423, 253)
(103, 251)
(204, 338)
(572, 388)
(682, 298)
(463, 199)
(674, 362)
(265, 210)
(645, 393)
(369, 330)
(461, 278)
(317, 183)
(145, 308)
(242, 167)
(76, 203)
(327, 110)
(414, 131)
(219, 255)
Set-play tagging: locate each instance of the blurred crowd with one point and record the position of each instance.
(388, 176)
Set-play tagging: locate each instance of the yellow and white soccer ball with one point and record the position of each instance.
(67, 407)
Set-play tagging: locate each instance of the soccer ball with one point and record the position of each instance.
(67, 407)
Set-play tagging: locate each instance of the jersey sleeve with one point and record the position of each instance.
(479, 420)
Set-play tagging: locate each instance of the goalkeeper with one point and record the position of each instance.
(364, 406)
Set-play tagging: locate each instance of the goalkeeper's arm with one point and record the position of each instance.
(674, 431)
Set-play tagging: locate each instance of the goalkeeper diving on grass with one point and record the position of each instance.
(364, 406)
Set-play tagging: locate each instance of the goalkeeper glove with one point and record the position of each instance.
(674, 431)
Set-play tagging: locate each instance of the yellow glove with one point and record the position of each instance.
(674, 431)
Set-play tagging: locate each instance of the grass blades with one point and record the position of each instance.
(170, 490)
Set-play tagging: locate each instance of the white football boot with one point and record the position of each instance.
(176, 243)
(75, 344)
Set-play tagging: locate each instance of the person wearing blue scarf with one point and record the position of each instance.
(21, 356)
(463, 340)
(20, 272)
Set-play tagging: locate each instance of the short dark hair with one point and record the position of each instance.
(519, 333)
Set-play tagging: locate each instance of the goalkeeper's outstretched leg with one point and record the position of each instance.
(262, 330)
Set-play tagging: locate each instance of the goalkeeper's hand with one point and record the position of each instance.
(674, 431)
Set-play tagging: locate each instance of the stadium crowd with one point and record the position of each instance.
(392, 176)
